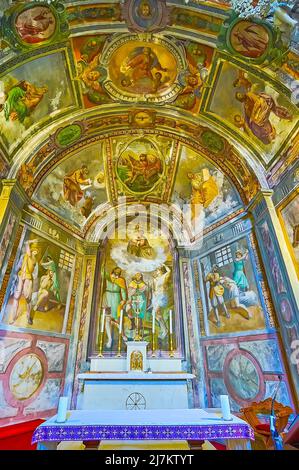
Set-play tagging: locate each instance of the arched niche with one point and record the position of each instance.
(137, 272)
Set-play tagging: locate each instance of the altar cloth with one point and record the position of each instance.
(187, 424)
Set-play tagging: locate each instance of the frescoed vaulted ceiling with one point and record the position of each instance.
(132, 98)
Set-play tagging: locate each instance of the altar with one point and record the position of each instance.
(131, 391)
(193, 425)
(135, 382)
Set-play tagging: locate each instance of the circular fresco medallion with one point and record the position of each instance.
(36, 25)
(143, 71)
(243, 377)
(140, 166)
(26, 377)
(249, 39)
(145, 15)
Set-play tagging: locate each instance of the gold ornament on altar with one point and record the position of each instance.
(136, 361)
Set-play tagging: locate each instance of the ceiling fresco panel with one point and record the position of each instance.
(249, 106)
(203, 188)
(31, 93)
(75, 186)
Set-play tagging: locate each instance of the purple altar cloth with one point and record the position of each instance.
(146, 429)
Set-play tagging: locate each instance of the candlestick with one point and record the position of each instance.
(225, 408)
(62, 409)
(101, 345)
(119, 333)
(103, 320)
(121, 320)
(171, 353)
(102, 332)
(170, 322)
(153, 334)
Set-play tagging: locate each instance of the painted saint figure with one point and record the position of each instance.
(239, 273)
(204, 191)
(257, 110)
(44, 292)
(139, 296)
(115, 292)
(141, 66)
(25, 280)
(139, 245)
(21, 100)
(114, 298)
(216, 292)
(160, 297)
(72, 185)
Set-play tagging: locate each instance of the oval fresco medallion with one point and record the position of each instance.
(140, 166)
(36, 25)
(249, 39)
(139, 70)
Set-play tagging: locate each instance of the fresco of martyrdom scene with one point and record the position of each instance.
(254, 107)
(39, 286)
(32, 92)
(137, 289)
(140, 164)
(75, 187)
(289, 216)
(202, 191)
(231, 291)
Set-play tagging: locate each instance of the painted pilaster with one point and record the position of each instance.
(191, 328)
(12, 200)
(281, 275)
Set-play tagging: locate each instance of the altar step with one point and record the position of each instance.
(140, 445)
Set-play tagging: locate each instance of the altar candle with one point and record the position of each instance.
(154, 322)
(170, 322)
(62, 409)
(225, 407)
(103, 321)
(121, 320)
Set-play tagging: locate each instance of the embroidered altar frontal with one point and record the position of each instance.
(192, 424)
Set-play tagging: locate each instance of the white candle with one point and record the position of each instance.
(154, 322)
(225, 407)
(170, 322)
(62, 409)
(121, 320)
(103, 321)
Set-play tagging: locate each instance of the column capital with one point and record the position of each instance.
(12, 194)
(261, 202)
(13, 185)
